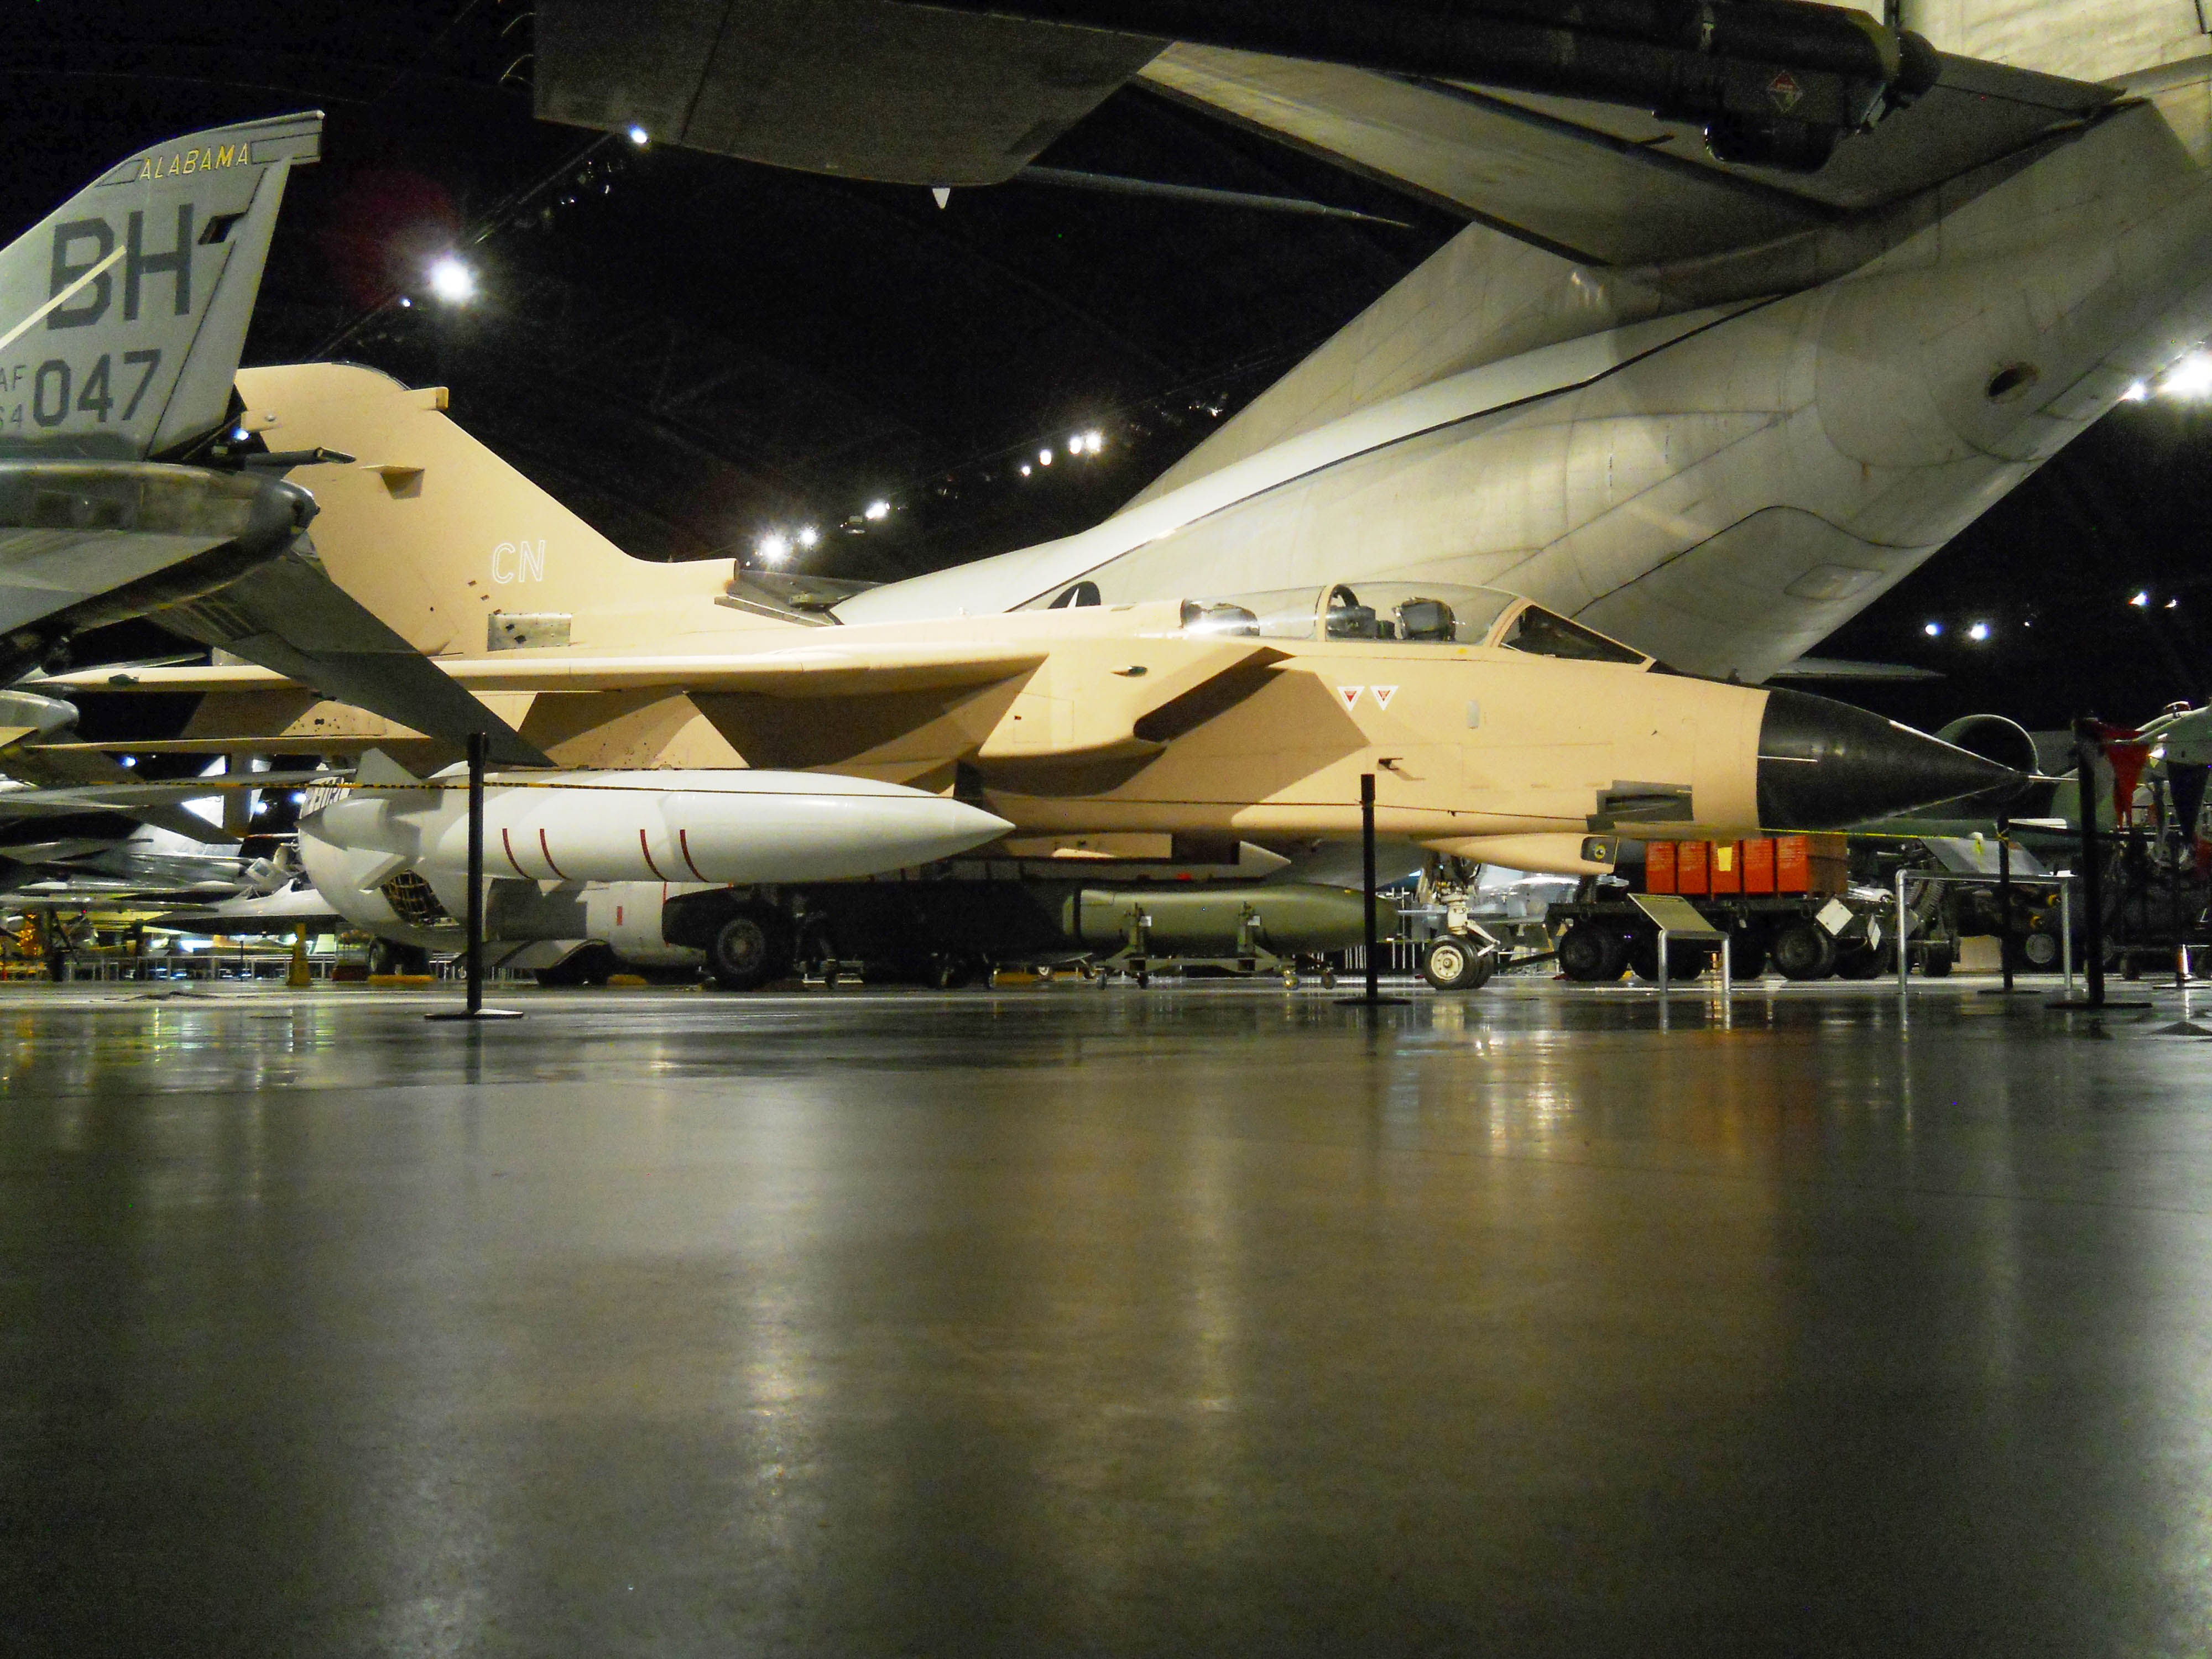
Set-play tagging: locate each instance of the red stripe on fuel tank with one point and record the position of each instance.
(507, 847)
(548, 851)
(647, 849)
(683, 846)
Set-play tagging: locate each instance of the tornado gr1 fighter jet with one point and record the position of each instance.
(605, 661)
(1222, 715)
(1489, 721)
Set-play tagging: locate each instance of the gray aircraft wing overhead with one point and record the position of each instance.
(968, 92)
(1608, 185)
(288, 616)
(858, 87)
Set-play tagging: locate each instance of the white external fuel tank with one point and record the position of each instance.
(660, 828)
(722, 827)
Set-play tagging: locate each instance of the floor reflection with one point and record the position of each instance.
(1119, 1322)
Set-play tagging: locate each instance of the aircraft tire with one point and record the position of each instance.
(592, 965)
(1685, 963)
(389, 957)
(951, 972)
(747, 951)
(1862, 962)
(1747, 956)
(1592, 955)
(1804, 951)
(1453, 964)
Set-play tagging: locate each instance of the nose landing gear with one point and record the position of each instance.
(1451, 963)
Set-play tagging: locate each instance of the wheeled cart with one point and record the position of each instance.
(1799, 936)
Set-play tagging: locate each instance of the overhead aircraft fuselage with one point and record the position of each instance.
(1720, 463)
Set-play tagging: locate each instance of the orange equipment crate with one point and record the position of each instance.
(1758, 860)
(1659, 866)
(1810, 864)
(1793, 863)
(1726, 867)
(1692, 868)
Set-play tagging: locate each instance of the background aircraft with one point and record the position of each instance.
(122, 317)
(92, 857)
(1711, 407)
(130, 482)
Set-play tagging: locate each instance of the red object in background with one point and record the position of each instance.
(1793, 863)
(2127, 759)
(1693, 868)
(1659, 866)
(1727, 868)
(383, 229)
(1758, 858)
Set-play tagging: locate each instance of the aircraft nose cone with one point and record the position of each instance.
(1825, 765)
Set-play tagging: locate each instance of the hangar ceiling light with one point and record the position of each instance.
(2190, 378)
(452, 281)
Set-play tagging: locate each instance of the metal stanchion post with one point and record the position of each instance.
(1664, 984)
(2087, 750)
(474, 1008)
(1367, 882)
(2176, 912)
(1372, 997)
(2004, 900)
(2066, 933)
(477, 747)
(1904, 940)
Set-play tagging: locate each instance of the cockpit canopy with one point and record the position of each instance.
(1439, 613)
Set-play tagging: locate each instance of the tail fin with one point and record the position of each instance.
(450, 546)
(123, 314)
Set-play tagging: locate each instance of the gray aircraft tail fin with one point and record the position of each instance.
(123, 314)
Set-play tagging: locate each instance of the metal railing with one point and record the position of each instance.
(2064, 883)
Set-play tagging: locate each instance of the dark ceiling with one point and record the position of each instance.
(691, 351)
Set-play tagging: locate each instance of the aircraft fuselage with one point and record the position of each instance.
(1723, 485)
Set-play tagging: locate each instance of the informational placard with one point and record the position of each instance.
(1677, 917)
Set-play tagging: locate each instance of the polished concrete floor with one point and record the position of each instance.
(1063, 1321)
